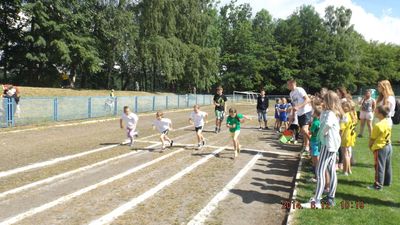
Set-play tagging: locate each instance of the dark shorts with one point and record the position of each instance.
(198, 128)
(165, 132)
(304, 119)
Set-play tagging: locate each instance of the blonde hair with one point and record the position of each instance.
(332, 103)
(386, 91)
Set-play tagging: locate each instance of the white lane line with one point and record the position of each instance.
(202, 216)
(75, 194)
(64, 158)
(292, 210)
(113, 215)
(70, 173)
(261, 151)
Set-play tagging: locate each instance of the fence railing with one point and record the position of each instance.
(33, 110)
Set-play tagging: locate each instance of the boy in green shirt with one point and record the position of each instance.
(233, 123)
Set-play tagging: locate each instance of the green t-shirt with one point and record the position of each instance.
(233, 120)
(314, 129)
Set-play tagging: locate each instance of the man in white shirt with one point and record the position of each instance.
(301, 105)
(130, 119)
(198, 119)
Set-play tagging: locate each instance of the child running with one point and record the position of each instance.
(198, 119)
(329, 138)
(381, 146)
(130, 119)
(314, 143)
(163, 125)
(233, 123)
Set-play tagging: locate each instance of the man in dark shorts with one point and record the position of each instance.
(301, 105)
(220, 106)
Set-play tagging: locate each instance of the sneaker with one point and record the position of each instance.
(267, 128)
(198, 146)
(162, 148)
(346, 174)
(375, 187)
(312, 180)
(312, 204)
(328, 201)
(171, 143)
(216, 130)
(131, 144)
(219, 130)
(260, 129)
(203, 142)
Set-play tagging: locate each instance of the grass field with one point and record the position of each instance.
(380, 207)
(46, 92)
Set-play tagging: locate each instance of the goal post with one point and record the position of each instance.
(245, 96)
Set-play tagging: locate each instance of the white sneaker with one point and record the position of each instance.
(312, 204)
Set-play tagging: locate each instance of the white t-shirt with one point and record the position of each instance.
(392, 105)
(329, 131)
(130, 120)
(297, 96)
(198, 118)
(162, 125)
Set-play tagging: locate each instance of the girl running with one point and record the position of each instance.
(198, 119)
(330, 140)
(130, 119)
(163, 125)
(233, 123)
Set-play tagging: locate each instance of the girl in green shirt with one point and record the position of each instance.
(233, 123)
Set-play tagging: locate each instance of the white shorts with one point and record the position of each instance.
(366, 115)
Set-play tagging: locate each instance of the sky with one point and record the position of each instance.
(377, 20)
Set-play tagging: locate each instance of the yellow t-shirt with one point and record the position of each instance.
(381, 133)
(347, 127)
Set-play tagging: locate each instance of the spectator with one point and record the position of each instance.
(262, 109)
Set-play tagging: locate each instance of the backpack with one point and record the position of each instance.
(396, 117)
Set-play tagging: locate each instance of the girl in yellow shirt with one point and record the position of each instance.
(348, 135)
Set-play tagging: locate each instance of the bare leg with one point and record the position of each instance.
(369, 125)
(362, 125)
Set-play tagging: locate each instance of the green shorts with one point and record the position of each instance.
(220, 115)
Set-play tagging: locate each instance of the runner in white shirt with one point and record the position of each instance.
(198, 119)
(130, 119)
(301, 105)
(163, 125)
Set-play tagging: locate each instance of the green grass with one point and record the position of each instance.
(380, 207)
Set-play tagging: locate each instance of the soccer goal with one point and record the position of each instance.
(245, 96)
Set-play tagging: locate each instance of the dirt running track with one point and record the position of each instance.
(88, 186)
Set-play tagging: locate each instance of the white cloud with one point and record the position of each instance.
(385, 28)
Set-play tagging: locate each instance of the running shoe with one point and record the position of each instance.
(203, 142)
(260, 129)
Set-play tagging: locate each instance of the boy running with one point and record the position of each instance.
(163, 125)
(130, 119)
(198, 119)
(220, 105)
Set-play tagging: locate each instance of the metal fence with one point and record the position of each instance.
(34, 110)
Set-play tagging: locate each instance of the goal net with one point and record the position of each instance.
(245, 96)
